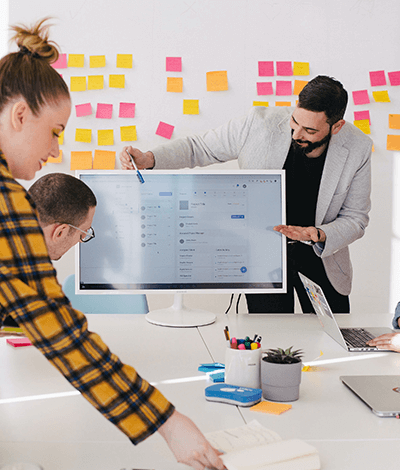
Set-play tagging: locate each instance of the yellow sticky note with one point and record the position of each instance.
(124, 61)
(128, 133)
(61, 138)
(95, 82)
(117, 81)
(393, 142)
(190, 106)
(394, 121)
(76, 60)
(298, 86)
(217, 81)
(261, 103)
(381, 96)
(301, 68)
(81, 160)
(104, 160)
(271, 407)
(175, 84)
(83, 135)
(97, 61)
(105, 137)
(283, 103)
(363, 125)
(78, 84)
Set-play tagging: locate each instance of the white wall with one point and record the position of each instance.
(345, 39)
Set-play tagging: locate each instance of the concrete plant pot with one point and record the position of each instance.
(280, 382)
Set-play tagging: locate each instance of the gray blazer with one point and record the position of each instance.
(261, 140)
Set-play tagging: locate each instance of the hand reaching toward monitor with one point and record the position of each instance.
(301, 233)
(390, 341)
(142, 160)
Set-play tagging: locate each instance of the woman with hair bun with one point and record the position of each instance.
(35, 106)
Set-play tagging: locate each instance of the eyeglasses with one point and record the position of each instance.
(89, 234)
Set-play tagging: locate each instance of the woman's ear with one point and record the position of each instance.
(19, 114)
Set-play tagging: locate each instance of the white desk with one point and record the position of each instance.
(68, 433)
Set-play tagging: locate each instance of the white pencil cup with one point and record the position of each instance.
(242, 367)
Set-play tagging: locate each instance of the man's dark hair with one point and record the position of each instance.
(62, 198)
(324, 94)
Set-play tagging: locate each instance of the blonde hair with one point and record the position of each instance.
(28, 73)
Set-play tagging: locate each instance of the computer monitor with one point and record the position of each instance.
(181, 231)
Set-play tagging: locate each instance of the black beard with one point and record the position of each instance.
(310, 145)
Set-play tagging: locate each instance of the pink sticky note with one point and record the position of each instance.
(284, 69)
(19, 342)
(104, 111)
(377, 78)
(394, 78)
(127, 110)
(61, 62)
(174, 64)
(264, 88)
(362, 115)
(360, 97)
(283, 87)
(83, 109)
(165, 130)
(266, 69)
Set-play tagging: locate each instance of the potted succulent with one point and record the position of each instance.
(281, 374)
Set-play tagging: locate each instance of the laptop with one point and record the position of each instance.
(352, 339)
(380, 392)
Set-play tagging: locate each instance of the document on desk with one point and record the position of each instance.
(252, 446)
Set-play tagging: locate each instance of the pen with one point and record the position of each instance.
(227, 331)
(227, 336)
(139, 175)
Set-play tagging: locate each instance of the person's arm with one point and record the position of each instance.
(396, 317)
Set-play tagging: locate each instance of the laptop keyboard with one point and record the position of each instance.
(356, 337)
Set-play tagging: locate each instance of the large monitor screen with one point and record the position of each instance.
(185, 231)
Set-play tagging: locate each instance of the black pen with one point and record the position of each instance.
(139, 175)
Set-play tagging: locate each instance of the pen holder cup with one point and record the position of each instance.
(242, 367)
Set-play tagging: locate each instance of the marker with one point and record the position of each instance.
(227, 330)
(234, 344)
(139, 175)
(241, 346)
(227, 337)
(254, 345)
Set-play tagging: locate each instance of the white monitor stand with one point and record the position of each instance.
(179, 316)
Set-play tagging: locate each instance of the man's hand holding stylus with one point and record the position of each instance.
(142, 160)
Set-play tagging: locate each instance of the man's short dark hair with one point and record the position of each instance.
(324, 94)
(62, 198)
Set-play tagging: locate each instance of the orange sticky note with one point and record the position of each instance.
(283, 103)
(56, 160)
(76, 60)
(261, 103)
(124, 61)
(301, 68)
(117, 81)
(97, 61)
(271, 407)
(394, 121)
(381, 96)
(78, 84)
(81, 160)
(363, 125)
(217, 81)
(105, 137)
(83, 135)
(190, 106)
(104, 160)
(393, 142)
(95, 82)
(298, 86)
(128, 133)
(175, 84)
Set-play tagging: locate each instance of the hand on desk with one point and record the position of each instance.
(188, 444)
(301, 233)
(390, 341)
(142, 160)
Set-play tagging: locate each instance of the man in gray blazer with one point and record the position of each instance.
(328, 177)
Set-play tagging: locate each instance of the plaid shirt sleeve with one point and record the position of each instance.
(30, 293)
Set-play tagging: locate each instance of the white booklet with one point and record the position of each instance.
(253, 446)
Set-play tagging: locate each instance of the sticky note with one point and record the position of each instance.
(61, 138)
(283, 103)
(190, 106)
(128, 133)
(83, 135)
(78, 84)
(394, 78)
(97, 61)
(105, 137)
(81, 160)
(217, 81)
(76, 60)
(117, 81)
(298, 86)
(271, 407)
(126, 110)
(124, 61)
(19, 342)
(56, 160)
(377, 78)
(95, 82)
(175, 84)
(394, 121)
(284, 69)
(393, 142)
(266, 68)
(360, 97)
(283, 87)
(83, 109)
(261, 103)
(165, 130)
(360, 115)
(104, 160)
(363, 125)
(104, 111)
(301, 68)
(264, 88)
(61, 62)
(381, 96)
(173, 64)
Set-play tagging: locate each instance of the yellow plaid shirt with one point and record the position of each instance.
(30, 293)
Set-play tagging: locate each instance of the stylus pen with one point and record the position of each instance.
(139, 175)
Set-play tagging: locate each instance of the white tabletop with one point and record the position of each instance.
(65, 433)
